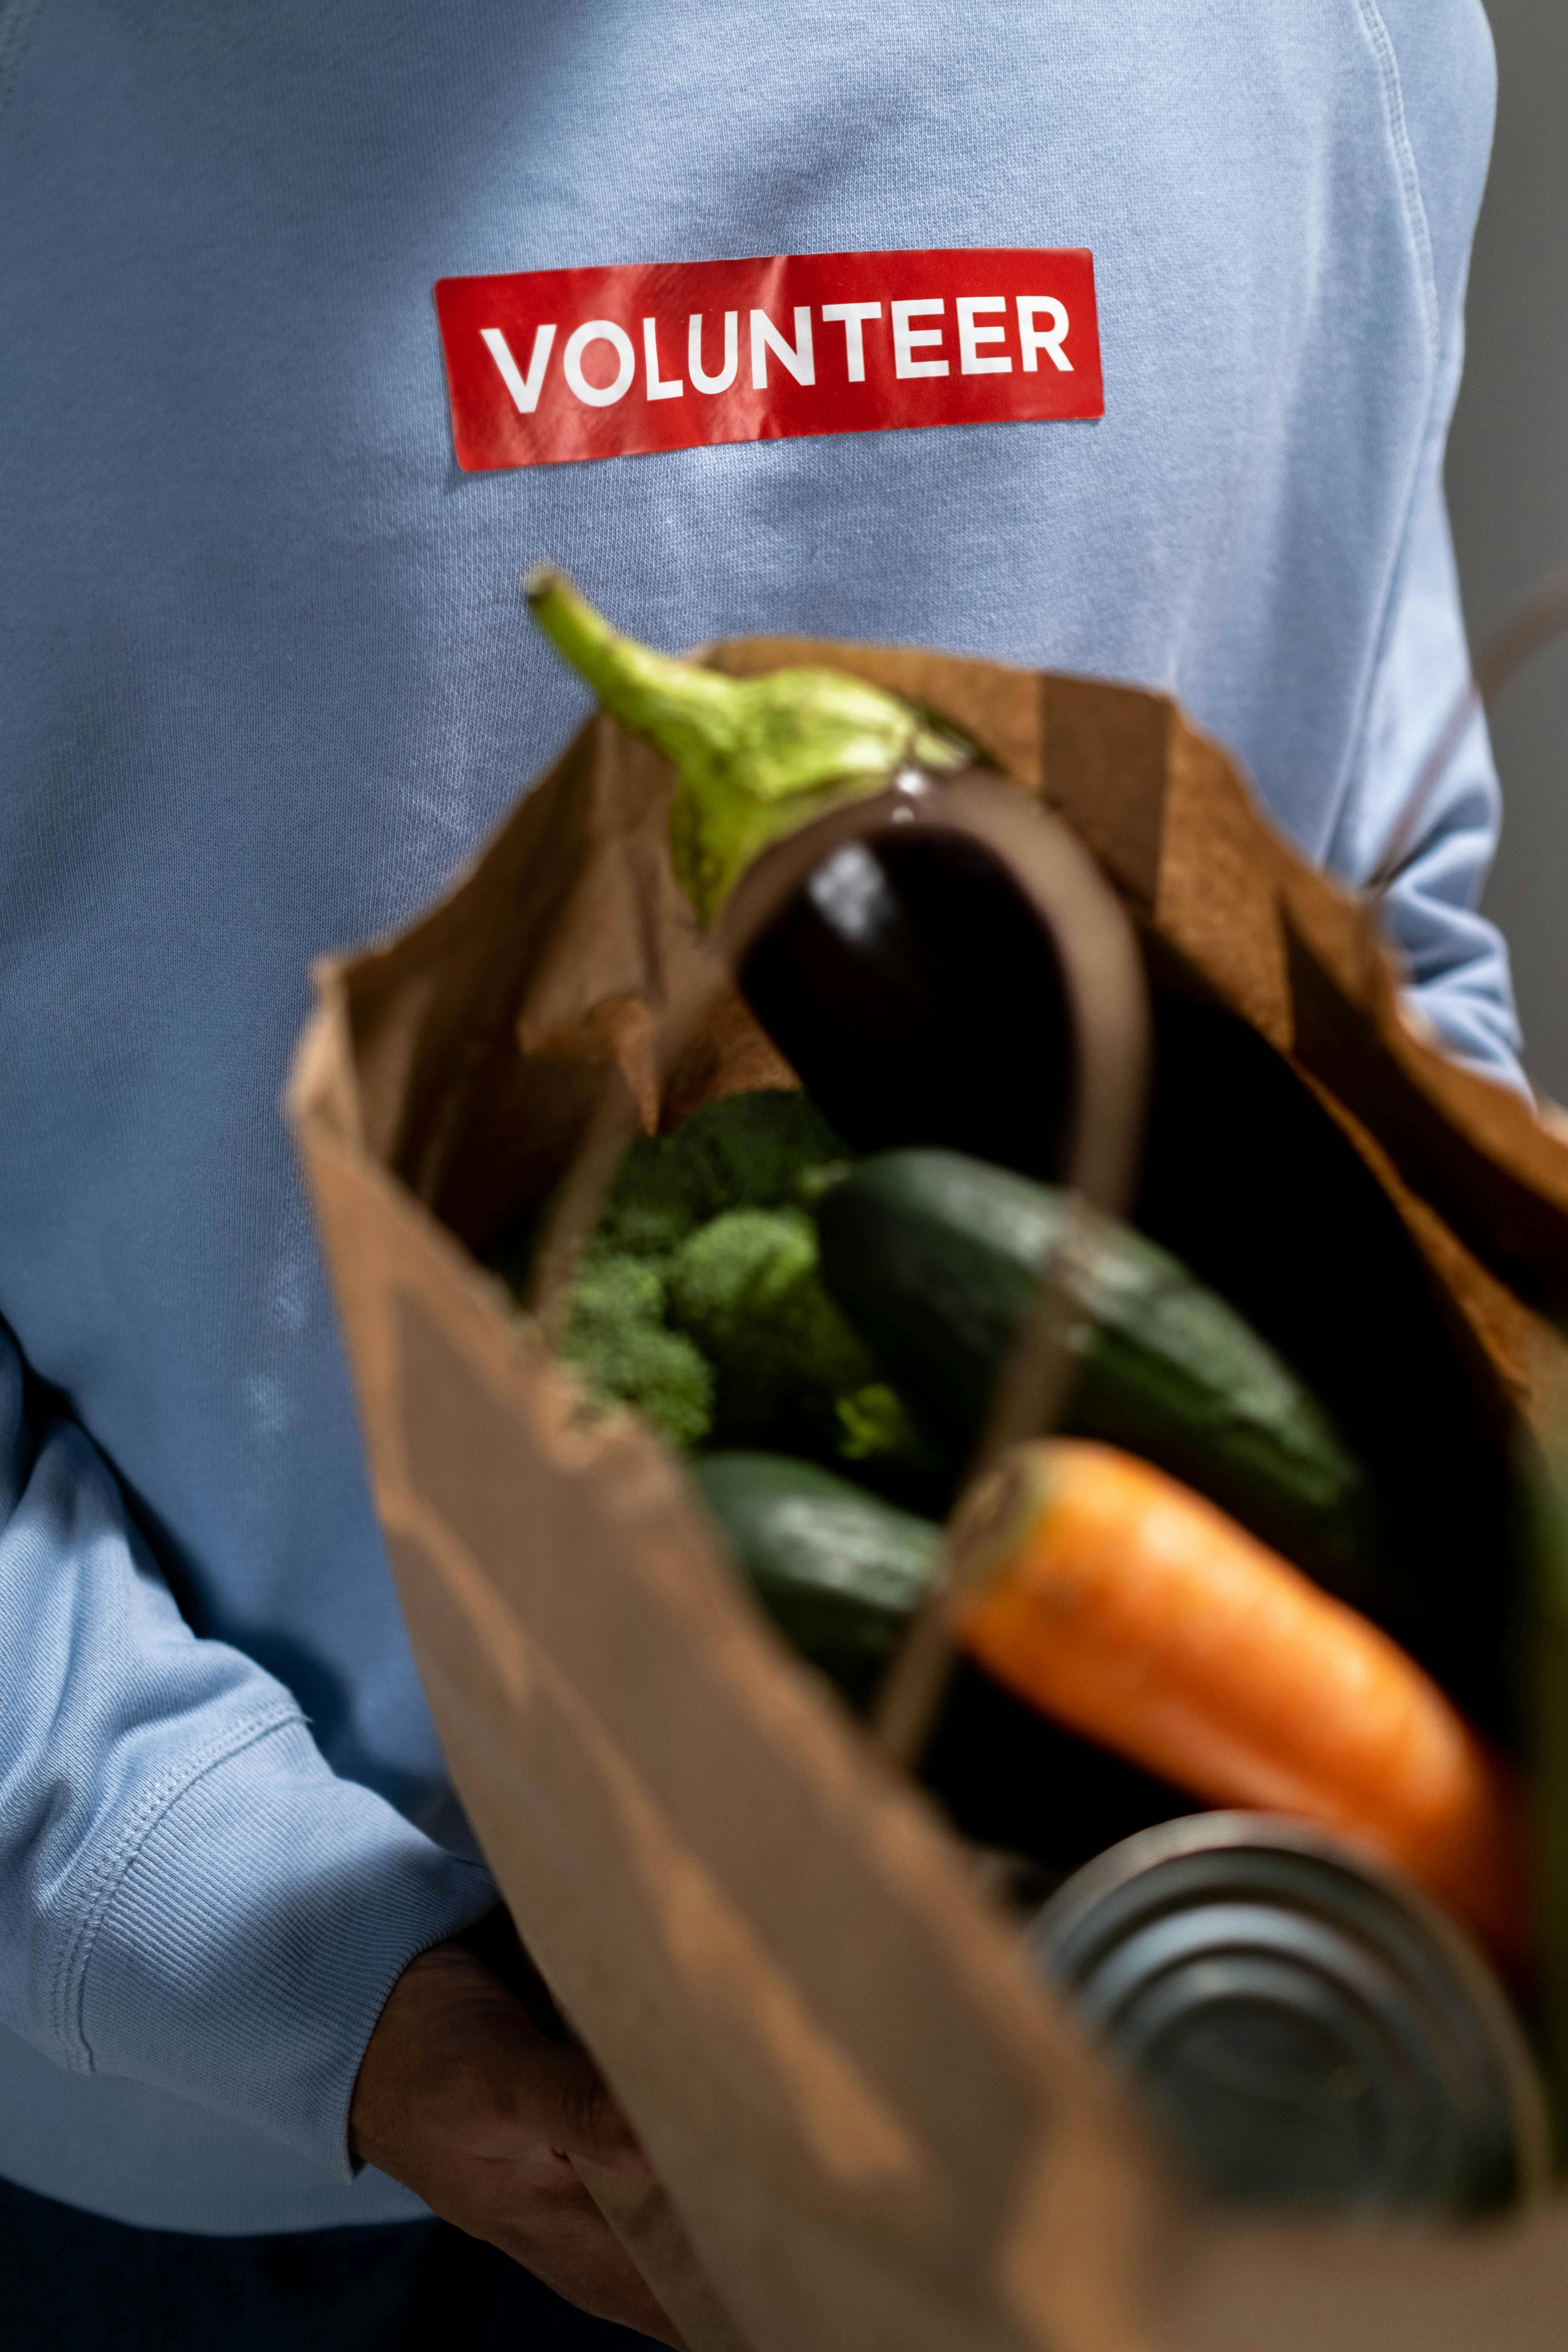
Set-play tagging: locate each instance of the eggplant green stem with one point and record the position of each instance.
(754, 758)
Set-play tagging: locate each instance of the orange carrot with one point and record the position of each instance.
(1127, 1607)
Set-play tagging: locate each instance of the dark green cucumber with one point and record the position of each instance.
(839, 1572)
(935, 1258)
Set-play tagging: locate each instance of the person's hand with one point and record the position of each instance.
(461, 2098)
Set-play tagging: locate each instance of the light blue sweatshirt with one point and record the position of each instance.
(266, 681)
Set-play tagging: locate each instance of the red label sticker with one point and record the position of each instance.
(550, 365)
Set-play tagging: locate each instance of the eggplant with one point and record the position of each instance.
(754, 758)
(912, 986)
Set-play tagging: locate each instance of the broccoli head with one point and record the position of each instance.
(618, 1340)
(746, 1151)
(699, 1299)
(745, 1287)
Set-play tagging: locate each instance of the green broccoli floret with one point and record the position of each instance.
(616, 1293)
(698, 1300)
(617, 1339)
(746, 1151)
(745, 1288)
(754, 1149)
(874, 1425)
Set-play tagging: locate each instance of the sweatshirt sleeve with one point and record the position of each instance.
(188, 1896)
(1456, 960)
(1439, 55)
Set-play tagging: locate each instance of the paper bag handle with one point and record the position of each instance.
(1107, 1014)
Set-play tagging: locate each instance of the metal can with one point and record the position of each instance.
(1312, 2033)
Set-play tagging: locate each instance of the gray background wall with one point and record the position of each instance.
(1508, 490)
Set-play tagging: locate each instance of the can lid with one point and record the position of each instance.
(1313, 2030)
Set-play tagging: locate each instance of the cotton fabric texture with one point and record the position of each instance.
(266, 683)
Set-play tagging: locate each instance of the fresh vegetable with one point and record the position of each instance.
(912, 984)
(699, 1299)
(840, 1572)
(1132, 1611)
(936, 1257)
(788, 1366)
(755, 758)
(618, 1339)
(754, 1150)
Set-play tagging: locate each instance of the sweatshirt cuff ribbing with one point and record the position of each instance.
(242, 1942)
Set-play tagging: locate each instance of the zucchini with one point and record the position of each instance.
(840, 1574)
(838, 1571)
(935, 1258)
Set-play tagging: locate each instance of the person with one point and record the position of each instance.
(267, 683)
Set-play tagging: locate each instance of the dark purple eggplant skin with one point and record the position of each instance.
(917, 994)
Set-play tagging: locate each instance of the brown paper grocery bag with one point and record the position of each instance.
(875, 2129)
